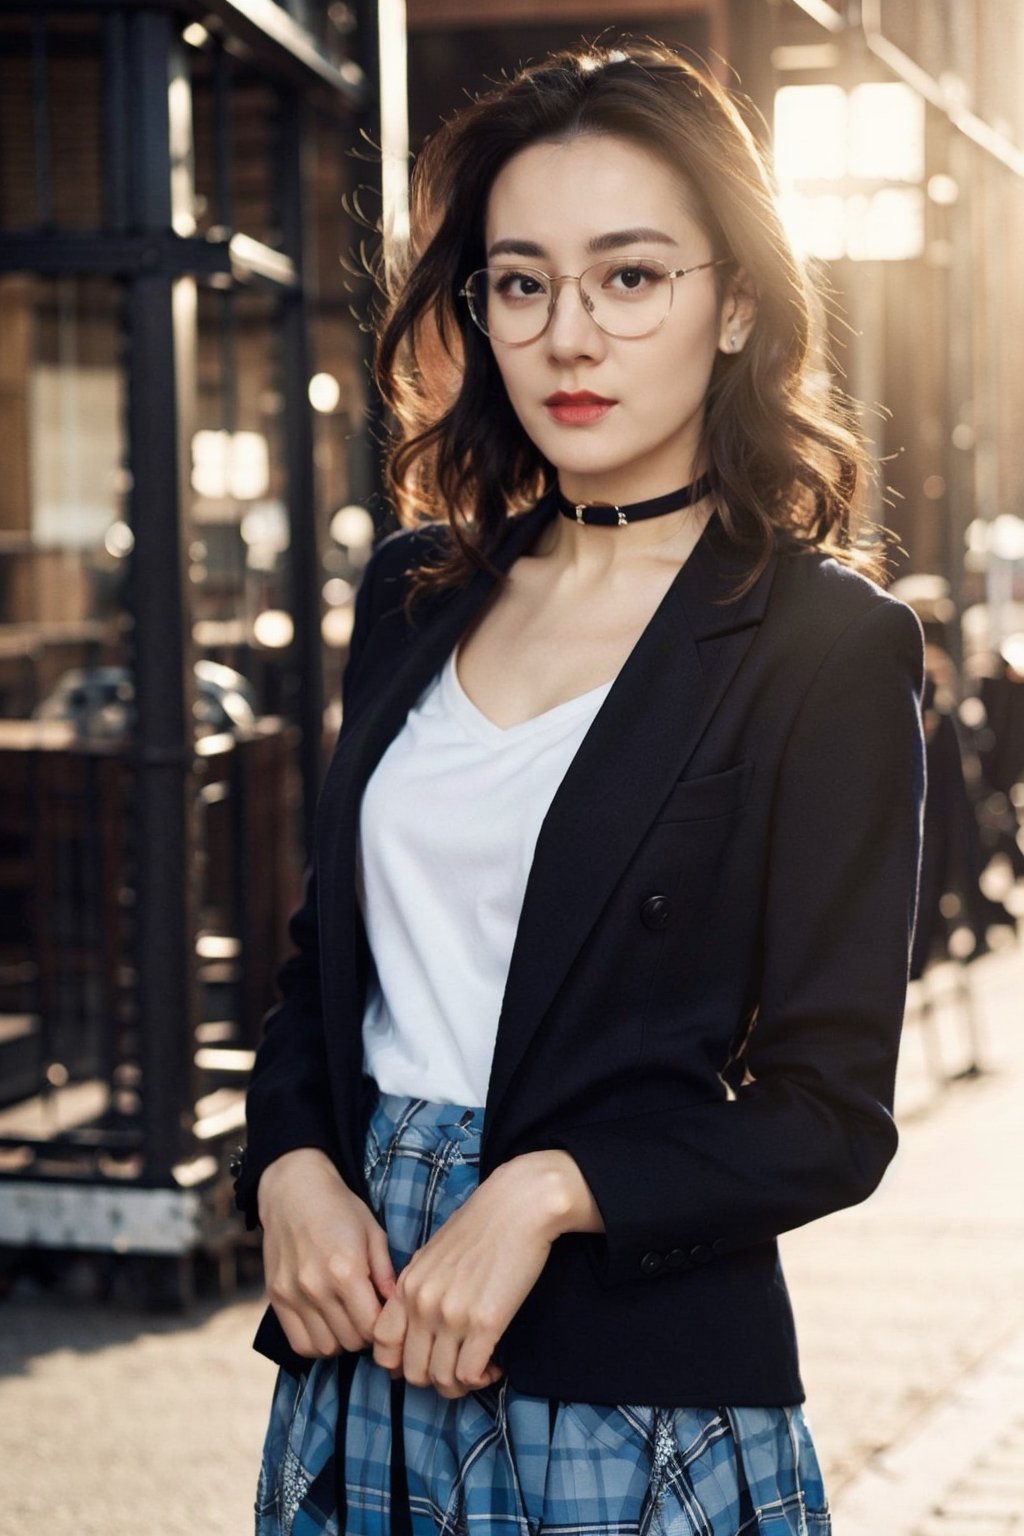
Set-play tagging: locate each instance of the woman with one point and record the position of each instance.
(600, 974)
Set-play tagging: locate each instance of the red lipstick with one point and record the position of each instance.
(578, 408)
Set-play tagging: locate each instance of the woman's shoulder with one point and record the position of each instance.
(819, 580)
(825, 604)
(415, 550)
(385, 579)
(399, 553)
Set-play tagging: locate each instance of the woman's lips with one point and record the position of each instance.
(578, 410)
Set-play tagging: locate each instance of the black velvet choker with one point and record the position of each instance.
(603, 514)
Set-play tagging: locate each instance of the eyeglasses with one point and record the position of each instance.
(625, 298)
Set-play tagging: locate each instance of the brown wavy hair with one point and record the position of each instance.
(778, 440)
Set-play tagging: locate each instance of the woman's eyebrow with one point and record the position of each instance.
(639, 236)
(609, 242)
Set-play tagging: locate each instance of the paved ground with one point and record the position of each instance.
(911, 1307)
(911, 1311)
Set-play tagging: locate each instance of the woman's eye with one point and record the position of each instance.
(634, 278)
(518, 285)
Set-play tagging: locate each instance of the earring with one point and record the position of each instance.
(734, 342)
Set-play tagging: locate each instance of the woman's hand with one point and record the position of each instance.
(325, 1257)
(459, 1293)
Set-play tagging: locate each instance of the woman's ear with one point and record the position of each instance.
(739, 312)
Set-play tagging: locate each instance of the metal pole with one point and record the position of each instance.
(366, 457)
(161, 313)
(115, 127)
(304, 553)
(41, 123)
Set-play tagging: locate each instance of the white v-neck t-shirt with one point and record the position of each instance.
(448, 826)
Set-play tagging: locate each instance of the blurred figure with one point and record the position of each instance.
(1001, 693)
(954, 913)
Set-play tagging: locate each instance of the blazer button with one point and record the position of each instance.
(655, 912)
(701, 1254)
(676, 1258)
(651, 1263)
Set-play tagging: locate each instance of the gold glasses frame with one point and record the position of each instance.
(466, 292)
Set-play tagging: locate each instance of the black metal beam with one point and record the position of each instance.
(41, 122)
(81, 1143)
(366, 453)
(112, 255)
(94, 7)
(224, 210)
(159, 325)
(239, 259)
(304, 555)
(115, 122)
(223, 137)
(261, 26)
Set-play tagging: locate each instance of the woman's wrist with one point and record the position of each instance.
(307, 1162)
(556, 1193)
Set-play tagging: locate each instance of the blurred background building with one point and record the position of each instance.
(191, 486)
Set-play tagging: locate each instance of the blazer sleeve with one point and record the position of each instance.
(288, 1104)
(813, 1130)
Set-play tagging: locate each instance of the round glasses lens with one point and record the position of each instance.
(510, 303)
(627, 296)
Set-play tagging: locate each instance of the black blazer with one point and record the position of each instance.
(705, 996)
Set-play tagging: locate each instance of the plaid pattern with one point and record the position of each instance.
(497, 1462)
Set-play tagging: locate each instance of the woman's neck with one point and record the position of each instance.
(596, 552)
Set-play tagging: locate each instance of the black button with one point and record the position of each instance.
(676, 1258)
(701, 1254)
(236, 1162)
(655, 912)
(651, 1263)
(719, 1246)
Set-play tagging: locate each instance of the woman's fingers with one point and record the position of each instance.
(350, 1283)
(426, 1344)
(325, 1255)
(389, 1334)
(474, 1367)
(416, 1358)
(427, 1319)
(308, 1334)
(436, 1335)
(329, 1269)
(457, 1295)
(382, 1271)
(441, 1367)
(311, 1305)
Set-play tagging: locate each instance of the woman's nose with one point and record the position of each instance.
(572, 327)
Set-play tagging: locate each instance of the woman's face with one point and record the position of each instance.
(561, 207)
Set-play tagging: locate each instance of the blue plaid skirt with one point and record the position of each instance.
(498, 1462)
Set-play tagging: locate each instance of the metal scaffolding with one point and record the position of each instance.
(142, 1168)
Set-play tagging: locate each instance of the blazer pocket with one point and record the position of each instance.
(716, 794)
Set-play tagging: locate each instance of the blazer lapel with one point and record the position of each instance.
(424, 650)
(419, 655)
(641, 739)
